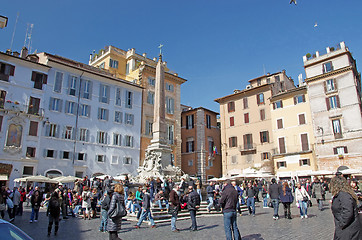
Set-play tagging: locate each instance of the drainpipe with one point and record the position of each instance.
(77, 117)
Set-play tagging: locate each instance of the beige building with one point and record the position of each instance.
(139, 69)
(334, 90)
(293, 136)
(246, 124)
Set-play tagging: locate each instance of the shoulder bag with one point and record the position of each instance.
(119, 211)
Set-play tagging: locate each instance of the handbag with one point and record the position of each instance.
(9, 203)
(119, 211)
(305, 199)
(270, 204)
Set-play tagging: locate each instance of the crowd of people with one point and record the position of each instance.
(88, 198)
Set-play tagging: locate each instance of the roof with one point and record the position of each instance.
(268, 75)
(240, 92)
(195, 109)
(291, 91)
(24, 59)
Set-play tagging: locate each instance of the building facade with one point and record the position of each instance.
(246, 124)
(201, 156)
(334, 90)
(62, 117)
(141, 70)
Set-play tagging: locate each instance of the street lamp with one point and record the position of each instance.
(3, 21)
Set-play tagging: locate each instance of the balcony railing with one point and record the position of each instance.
(21, 108)
(248, 148)
(291, 150)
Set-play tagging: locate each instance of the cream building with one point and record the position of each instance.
(141, 70)
(246, 124)
(293, 136)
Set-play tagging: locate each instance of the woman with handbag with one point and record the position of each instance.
(117, 202)
(302, 197)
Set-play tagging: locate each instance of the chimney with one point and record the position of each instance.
(24, 52)
(8, 51)
(16, 54)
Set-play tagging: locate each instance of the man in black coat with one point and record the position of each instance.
(228, 202)
(274, 192)
(250, 194)
(193, 204)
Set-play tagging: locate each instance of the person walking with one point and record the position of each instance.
(193, 204)
(36, 199)
(210, 190)
(274, 192)
(22, 200)
(53, 213)
(86, 202)
(146, 209)
(228, 202)
(250, 194)
(286, 198)
(174, 207)
(240, 193)
(302, 197)
(318, 192)
(114, 224)
(16, 201)
(344, 208)
(105, 203)
(264, 194)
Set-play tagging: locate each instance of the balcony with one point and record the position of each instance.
(248, 148)
(16, 107)
(292, 150)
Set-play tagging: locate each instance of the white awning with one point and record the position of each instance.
(4, 177)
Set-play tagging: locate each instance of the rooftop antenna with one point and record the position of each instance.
(12, 38)
(27, 41)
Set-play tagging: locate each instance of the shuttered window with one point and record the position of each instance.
(33, 128)
(280, 123)
(262, 114)
(231, 107)
(301, 118)
(304, 140)
(281, 145)
(231, 121)
(246, 117)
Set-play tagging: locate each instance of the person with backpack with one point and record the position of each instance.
(53, 212)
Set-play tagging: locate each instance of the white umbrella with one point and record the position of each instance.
(20, 179)
(67, 179)
(40, 179)
(351, 171)
(102, 176)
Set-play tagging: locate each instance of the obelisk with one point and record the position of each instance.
(159, 143)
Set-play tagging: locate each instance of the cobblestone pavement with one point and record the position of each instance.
(319, 225)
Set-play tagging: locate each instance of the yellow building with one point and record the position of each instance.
(293, 136)
(139, 69)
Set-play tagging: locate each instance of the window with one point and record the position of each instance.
(170, 105)
(72, 85)
(66, 155)
(281, 145)
(118, 96)
(245, 102)
(68, 132)
(211, 145)
(190, 163)
(248, 141)
(129, 98)
(83, 134)
(169, 87)
(330, 86)
(104, 93)
(6, 70)
(151, 81)
(128, 118)
(260, 98)
(100, 158)
(79, 174)
(148, 128)
(234, 159)
(70, 107)
(336, 123)
(280, 123)
(127, 68)
(262, 114)
(34, 106)
(231, 106)
(58, 82)
(114, 160)
(81, 156)
(189, 121)
(333, 102)
(301, 118)
(118, 117)
(127, 160)
(170, 134)
(1, 122)
(150, 97)
(304, 162)
(268, 80)
(258, 82)
(55, 104)
(190, 145)
(113, 63)
(30, 152)
(28, 170)
(85, 110)
(304, 141)
(50, 153)
(327, 67)
(265, 156)
(246, 117)
(233, 141)
(231, 121)
(102, 137)
(52, 130)
(87, 89)
(103, 114)
(340, 150)
(278, 104)
(281, 164)
(208, 121)
(210, 163)
(39, 79)
(33, 128)
(102, 65)
(128, 141)
(299, 99)
(264, 136)
(117, 139)
(2, 98)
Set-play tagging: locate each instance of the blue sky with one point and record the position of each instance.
(216, 45)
